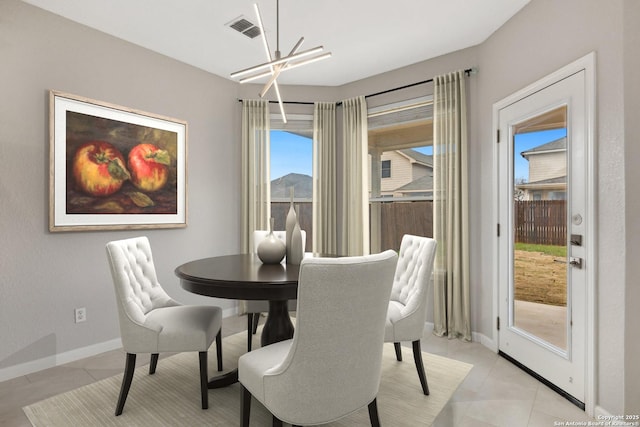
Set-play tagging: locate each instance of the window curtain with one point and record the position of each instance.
(256, 191)
(451, 273)
(324, 178)
(355, 204)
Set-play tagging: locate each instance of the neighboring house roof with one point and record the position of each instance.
(557, 180)
(424, 183)
(417, 156)
(557, 145)
(562, 180)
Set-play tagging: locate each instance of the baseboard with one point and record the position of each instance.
(58, 359)
(600, 413)
(490, 343)
(71, 356)
(475, 337)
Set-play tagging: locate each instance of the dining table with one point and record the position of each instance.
(245, 277)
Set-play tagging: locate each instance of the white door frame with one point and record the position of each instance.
(586, 63)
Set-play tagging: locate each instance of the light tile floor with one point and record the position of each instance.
(495, 393)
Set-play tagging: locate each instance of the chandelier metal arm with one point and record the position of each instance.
(274, 66)
(277, 61)
(288, 66)
(279, 68)
(270, 58)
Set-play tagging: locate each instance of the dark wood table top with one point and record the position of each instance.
(241, 276)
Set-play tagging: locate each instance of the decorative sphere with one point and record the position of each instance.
(271, 250)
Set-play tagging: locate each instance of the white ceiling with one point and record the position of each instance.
(366, 37)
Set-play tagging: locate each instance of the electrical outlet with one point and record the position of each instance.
(81, 314)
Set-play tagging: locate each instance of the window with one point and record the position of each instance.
(386, 169)
(291, 167)
(400, 134)
(557, 195)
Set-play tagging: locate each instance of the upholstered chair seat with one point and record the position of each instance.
(151, 321)
(331, 367)
(407, 311)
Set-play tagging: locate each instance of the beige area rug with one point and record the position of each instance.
(171, 397)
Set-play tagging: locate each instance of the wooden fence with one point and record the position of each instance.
(541, 222)
(398, 219)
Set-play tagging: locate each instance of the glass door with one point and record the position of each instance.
(542, 282)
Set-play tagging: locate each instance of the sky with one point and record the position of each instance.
(293, 153)
(290, 154)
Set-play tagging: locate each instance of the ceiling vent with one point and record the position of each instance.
(244, 26)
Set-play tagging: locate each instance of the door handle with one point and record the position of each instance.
(573, 261)
(576, 239)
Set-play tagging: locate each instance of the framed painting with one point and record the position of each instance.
(112, 167)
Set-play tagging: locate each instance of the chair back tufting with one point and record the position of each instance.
(136, 284)
(413, 273)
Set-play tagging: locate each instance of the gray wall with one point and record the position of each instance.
(37, 302)
(44, 276)
(632, 225)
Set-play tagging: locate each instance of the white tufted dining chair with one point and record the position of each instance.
(255, 307)
(151, 321)
(331, 367)
(407, 311)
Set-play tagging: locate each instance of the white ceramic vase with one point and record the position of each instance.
(296, 252)
(271, 250)
(289, 225)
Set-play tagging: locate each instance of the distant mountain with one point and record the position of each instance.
(302, 186)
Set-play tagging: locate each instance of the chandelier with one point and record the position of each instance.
(277, 63)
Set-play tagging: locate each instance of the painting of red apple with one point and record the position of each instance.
(98, 168)
(149, 166)
(119, 168)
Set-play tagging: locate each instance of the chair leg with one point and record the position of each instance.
(417, 357)
(398, 348)
(129, 368)
(204, 380)
(276, 422)
(245, 406)
(249, 330)
(256, 320)
(153, 363)
(373, 414)
(219, 349)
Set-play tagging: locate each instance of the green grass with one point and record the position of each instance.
(559, 251)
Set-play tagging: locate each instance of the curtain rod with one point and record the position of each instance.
(467, 72)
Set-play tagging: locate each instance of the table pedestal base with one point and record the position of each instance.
(278, 326)
(224, 380)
